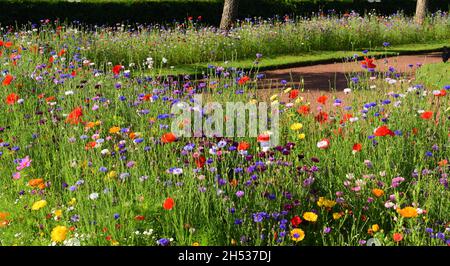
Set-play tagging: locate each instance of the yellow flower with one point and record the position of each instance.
(297, 234)
(337, 215)
(114, 243)
(375, 227)
(273, 97)
(287, 90)
(39, 205)
(73, 201)
(323, 202)
(274, 102)
(195, 244)
(112, 174)
(310, 216)
(114, 130)
(408, 212)
(58, 213)
(296, 126)
(299, 100)
(253, 101)
(59, 233)
(301, 136)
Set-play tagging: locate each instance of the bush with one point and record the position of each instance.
(165, 11)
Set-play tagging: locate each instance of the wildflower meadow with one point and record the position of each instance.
(104, 143)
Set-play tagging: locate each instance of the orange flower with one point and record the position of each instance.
(408, 212)
(426, 115)
(168, 204)
(322, 99)
(168, 138)
(377, 192)
(443, 163)
(114, 130)
(321, 117)
(35, 182)
(3, 221)
(243, 146)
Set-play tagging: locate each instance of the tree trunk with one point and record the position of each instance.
(421, 8)
(229, 13)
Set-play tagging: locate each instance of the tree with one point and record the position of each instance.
(229, 14)
(421, 8)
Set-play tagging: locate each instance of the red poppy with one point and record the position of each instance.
(345, 118)
(440, 93)
(7, 80)
(168, 138)
(116, 69)
(426, 115)
(200, 161)
(1, 43)
(243, 80)
(293, 94)
(383, 131)
(368, 63)
(139, 217)
(243, 146)
(321, 117)
(397, 237)
(90, 145)
(74, 117)
(263, 138)
(12, 98)
(8, 44)
(51, 59)
(168, 204)
(303, 110)
(296, 220)
(322, 99)
(73, 74)
(357, 147)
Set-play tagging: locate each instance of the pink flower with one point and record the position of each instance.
(16, 175)
(25, 162)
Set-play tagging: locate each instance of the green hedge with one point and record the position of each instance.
(166, 11)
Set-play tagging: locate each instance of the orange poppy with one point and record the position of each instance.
(243, 146)
(168, 138)
(35, 182)
(243, 80)
(357, 147)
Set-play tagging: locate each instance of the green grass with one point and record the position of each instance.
(435, 75)
(287, 61)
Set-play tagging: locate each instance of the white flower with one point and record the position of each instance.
(164, 60)
(93, 196)
(104, 152)
(353, 119)
(323, 144)
(68, 92)
(347, 91)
